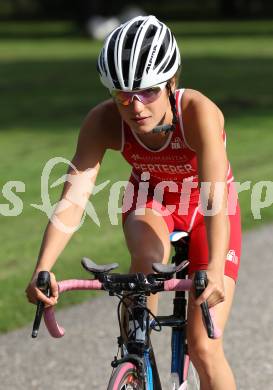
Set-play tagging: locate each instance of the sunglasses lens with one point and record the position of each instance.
(121, 97)
(146, 96)
(150, 95)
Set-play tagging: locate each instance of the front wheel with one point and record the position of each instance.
(126, 377)
(193, 378)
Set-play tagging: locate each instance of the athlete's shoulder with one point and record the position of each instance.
(106, 107)
(195, 104)
(103, 123)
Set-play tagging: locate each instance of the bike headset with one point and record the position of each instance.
(140, 54)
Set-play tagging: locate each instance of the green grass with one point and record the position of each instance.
(48, 82)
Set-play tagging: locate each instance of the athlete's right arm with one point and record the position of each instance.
(92, 144)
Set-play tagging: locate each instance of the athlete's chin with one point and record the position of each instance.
(142, 128)
(142, 131)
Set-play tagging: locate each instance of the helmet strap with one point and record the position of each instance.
(167, 128)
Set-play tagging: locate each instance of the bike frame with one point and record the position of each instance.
(180, 357)
(139, 350)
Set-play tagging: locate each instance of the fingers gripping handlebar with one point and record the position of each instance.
(57, 331)
(208, 315)
(43, 283)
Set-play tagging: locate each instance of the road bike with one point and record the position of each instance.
(134, 367)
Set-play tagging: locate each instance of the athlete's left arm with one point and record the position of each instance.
(203, 130)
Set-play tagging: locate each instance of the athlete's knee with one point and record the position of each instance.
(205, 353)
(147, 247)
(142, 260)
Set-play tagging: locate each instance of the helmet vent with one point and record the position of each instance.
(150, 32)
(102, 64)
(128, 42)
(111, 60)
(145, 49)
(141, 62)
(163, 49)
(170, 64)
(126, 49)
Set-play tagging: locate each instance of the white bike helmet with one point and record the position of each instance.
(138, 54)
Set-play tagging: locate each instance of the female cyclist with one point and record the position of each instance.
(175, 141)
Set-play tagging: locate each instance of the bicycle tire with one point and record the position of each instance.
(126, 377)
(193, 378)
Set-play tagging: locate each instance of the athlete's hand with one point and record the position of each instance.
(214, 292)
(34, 294)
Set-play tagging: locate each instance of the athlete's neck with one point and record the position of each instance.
(153, 141)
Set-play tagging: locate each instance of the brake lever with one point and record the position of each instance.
(201, 282)
(43, 283)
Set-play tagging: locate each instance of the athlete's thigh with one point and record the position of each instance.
(199, 252)
(147, 238)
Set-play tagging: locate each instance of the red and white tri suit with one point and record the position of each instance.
(166, 180)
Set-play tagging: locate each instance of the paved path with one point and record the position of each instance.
(81, 359)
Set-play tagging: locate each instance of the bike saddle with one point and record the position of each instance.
(177, 235)
(90, 266)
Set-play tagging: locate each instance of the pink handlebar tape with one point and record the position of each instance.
(57, 331)
(177, 285)
(67, 285)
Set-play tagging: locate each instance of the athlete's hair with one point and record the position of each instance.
(138, 54)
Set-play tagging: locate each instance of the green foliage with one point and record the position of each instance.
(47, 87)
(174, 10)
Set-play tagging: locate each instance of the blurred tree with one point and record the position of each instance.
(81, 10)
(228, 8)
(245, 8)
